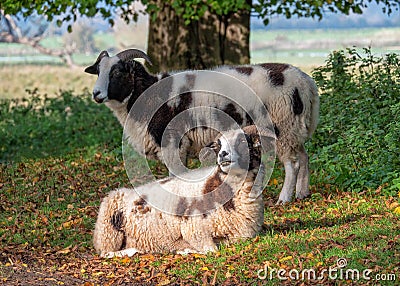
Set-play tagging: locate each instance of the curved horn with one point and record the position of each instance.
(132, 54)
(102, 55)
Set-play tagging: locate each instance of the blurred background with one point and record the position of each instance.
(36, 52)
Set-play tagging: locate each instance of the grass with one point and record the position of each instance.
(49, 205)
(46, 79)
(50, 202)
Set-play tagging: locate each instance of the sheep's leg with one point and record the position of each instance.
(291, 171)
(198, 237)
(125, 252)
(187, 251)
(302, 185)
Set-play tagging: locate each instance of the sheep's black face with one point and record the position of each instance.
(120, 76)
(115, 78)
(121, 83)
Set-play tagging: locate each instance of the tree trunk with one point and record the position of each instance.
(211, 41)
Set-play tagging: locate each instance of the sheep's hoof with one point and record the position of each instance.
(108, 255)
(126, 252)
(302, 196)
(186, 251)
(282, 202)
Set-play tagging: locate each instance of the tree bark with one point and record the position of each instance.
(213, 40)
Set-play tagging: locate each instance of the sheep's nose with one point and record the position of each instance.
(96, 93)
(223, 154)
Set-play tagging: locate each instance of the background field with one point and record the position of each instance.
(22, 68)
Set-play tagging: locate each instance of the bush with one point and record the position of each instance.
(356, 145)
(40, 126)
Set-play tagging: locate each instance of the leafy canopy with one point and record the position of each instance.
(189, 9)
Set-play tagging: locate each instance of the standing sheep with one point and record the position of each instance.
(289, 95)
(225, 206)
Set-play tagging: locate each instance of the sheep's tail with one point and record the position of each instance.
(314, 100)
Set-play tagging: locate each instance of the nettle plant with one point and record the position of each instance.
(356, 145)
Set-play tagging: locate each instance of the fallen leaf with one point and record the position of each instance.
(197, 255)
(64, 251)
(125, 260)
(376, 216)
(164, 282)
(285, 258)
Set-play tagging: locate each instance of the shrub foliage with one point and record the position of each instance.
(39, 126)
(356, 145)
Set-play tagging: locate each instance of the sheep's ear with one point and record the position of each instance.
(93, 68)
(260, 136)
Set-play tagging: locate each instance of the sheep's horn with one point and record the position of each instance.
(133, 53)
(102, 55)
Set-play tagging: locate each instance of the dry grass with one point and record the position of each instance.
(15, 80)
(48, 79)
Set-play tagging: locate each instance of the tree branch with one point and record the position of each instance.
(14, 35)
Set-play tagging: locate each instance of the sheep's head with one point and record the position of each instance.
(116, 74)
(239, 151)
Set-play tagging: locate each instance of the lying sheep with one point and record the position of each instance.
(289, 95)
(225, 206)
